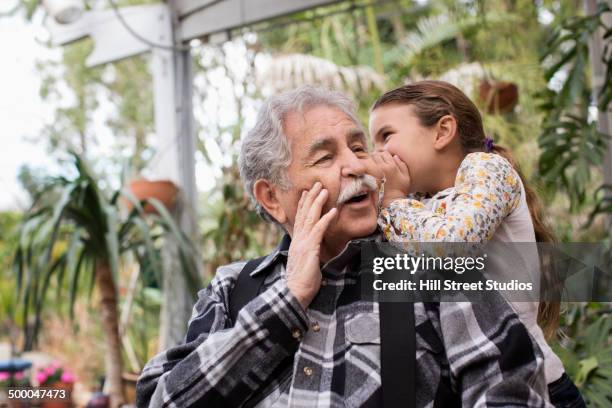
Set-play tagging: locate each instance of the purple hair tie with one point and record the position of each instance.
(488, 144)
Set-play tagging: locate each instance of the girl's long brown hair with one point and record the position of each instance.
(431, 100)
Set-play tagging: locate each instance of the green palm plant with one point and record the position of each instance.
(80, 240)
(573, 147)
(586, 350)
(435, 30)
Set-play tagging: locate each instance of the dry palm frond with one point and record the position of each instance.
(465, 76)
(292, 70)
(430, 31)
(435, 30)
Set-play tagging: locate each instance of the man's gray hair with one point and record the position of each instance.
(265, 152)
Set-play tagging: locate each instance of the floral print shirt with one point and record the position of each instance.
(487, 189)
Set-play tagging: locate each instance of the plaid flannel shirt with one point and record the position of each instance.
(479, 354)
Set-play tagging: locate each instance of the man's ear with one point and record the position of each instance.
(266, 194)
(446, 132)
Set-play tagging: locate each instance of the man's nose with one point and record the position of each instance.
(353, 166)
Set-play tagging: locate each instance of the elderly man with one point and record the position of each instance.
(304, 337)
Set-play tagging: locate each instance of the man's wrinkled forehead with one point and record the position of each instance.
(305, 125)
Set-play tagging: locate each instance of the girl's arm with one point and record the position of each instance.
(487, 189)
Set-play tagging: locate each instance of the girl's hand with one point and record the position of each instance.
(397, 176)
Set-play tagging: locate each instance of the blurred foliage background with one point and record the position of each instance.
(362, 48)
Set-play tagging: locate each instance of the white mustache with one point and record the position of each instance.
(356, 186)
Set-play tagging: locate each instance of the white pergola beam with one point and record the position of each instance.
(201, 18)
(112, 40)
(184, 7)
(198, 18)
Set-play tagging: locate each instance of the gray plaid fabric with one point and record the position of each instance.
(475, 354)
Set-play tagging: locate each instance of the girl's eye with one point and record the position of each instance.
(386, 136)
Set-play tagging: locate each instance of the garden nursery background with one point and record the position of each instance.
(86, 266)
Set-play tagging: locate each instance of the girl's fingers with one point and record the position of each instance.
(321, 226)
(400, 164)
(385, 164)
(386, 156)
(376, 158)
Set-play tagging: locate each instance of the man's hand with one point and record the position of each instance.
(303, 270)
(397, 176)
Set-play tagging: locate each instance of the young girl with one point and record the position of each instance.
(445, 181)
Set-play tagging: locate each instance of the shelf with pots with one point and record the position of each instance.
(498, 96)
(58, 378)
(164, 191)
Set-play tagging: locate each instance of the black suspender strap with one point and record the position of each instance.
(247, 287)
(398, 354)
(397, 331)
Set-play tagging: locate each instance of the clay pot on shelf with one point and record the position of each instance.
(59, 403)
(163, 190)
(498, 96)
(129, 387)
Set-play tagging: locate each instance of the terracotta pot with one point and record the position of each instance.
(59, 403)
(162, 190)
(498, 96)
(129, 387)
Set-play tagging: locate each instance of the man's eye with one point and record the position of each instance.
(324, 159)
(358, 148)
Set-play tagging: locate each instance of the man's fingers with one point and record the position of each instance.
(299, 215)
(312, 194)
(309, 197)
(321, 226)
(302, 197)
(314, 212)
